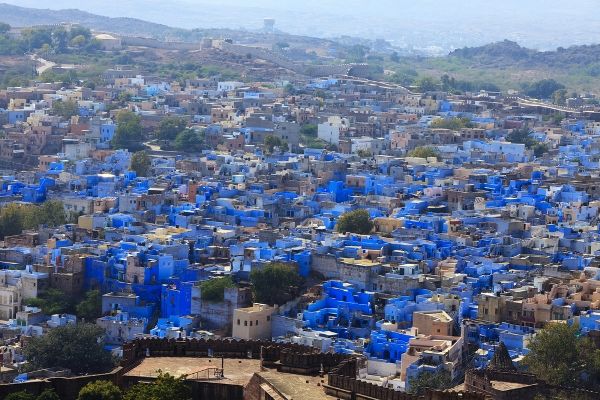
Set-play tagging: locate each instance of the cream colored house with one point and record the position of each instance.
(254, 322)
(433, 323)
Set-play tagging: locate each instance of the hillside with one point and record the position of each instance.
(21, 16)
(507, 53)
(506, 65)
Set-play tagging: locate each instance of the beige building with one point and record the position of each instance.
(108, 42)
(433, 323)
(15, 286)
(254, 322)
(434, 350)
(10, 302)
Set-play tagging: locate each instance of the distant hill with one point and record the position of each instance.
(505, 51)
(510, 54)
(21, 16)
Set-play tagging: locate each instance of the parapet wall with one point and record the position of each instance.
(342, 383)
(157, 44)
(66, 388)
(286, 357)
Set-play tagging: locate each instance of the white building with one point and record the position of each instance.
(121, 328)
(228, 86)
(330, 130)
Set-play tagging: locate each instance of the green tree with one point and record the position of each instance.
(289, 89)
(66, 78)
(124, 97)
(170, 127)
(447, 83)
(356, 53)
(309, 130)
(405, 76)
(427, 84)
(558, 355)
(65, 109)
(78, 41)
(165, 387)
(100, 390)
(271, 142)
(60, 39)
(35, 38)
(20, 396)
(275, 283)
(362, 153)
(11, 220)
(92, 46)
(48, 394)
(45, 49)
(431, 381)
(78, 347)
(394, 57)
(356, 221)
(424, 152)
(50, 213)
(543, 89)
(129, 133)
(308, 137)
(16, 217)
(557, 118)
(454, 124)
(213, 289)
(90, 307)
(540, 149)
(4, 28)
(559, 97)
(522, 136)
(80, 31)
(140, 163)
(52, 301)
(313, 142)
(189, 140)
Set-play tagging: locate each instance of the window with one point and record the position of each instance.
(268, 317)
(256, 322)
(238, 321)
(250, 323)
(245, 323)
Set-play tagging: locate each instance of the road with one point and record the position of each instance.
(152, 146)
(43, 66)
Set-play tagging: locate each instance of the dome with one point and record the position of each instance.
(105, 36)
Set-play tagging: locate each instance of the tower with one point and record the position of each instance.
(269, 25)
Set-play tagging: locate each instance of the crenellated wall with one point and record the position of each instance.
(66, 388)
(286, 357)
(342, 383)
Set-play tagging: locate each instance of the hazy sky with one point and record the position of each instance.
(535, 23)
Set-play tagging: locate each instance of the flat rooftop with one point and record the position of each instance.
(256, 307)
(236, 371)
(296, 387)
(505, 386)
